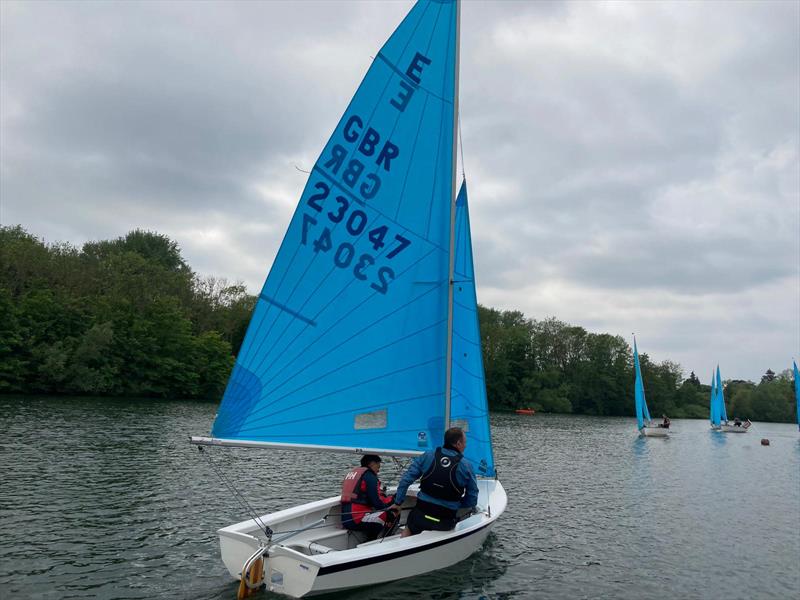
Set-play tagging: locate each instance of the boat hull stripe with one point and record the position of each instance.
(400, 553)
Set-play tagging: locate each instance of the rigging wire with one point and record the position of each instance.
(236, 494)
(254, 515)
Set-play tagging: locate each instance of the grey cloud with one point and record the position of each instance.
(617, 153)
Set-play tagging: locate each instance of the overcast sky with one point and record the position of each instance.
(632, 166)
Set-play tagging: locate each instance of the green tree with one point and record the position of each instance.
(213, 362)
(12, 367)
(94, 368)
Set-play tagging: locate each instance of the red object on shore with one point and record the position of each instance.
(525, 411)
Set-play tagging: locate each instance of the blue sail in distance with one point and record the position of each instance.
(797, 391)
(642, 414)
(723, 413)
(713, 409)
(469, 405)
(348, 341)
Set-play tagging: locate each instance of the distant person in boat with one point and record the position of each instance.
(364, 507)
(665, 423)
(447, 483)
(737, 421)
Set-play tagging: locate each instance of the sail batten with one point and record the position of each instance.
(356, 334)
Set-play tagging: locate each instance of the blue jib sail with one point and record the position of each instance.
(721, 411)
(642, 414)
(348, 341)
(469, 405)
(797, 391)
(713, 406)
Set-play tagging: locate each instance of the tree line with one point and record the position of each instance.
(552, 366)
(128, 317)
(124, 317)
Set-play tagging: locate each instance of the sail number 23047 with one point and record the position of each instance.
(356, 225)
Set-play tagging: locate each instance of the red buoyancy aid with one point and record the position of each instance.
(349, 483)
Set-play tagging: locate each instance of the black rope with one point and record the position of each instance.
(236, 494)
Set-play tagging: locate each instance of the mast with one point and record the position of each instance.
(451, 270)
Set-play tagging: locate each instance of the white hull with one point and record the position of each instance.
(654, 432)
(733, 429)
(327, 558)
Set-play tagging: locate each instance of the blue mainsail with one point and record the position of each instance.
(469, 405)
(642, 414)
(348, 341)
(797, 391)
(722, 412)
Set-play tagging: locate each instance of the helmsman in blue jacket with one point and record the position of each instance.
(447, 483)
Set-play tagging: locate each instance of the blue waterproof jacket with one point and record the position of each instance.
(464, 477)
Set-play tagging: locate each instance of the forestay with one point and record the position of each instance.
(347, 344)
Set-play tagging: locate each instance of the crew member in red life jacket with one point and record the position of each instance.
(363, 504)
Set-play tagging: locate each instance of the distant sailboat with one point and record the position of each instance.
(797, 391)
(643, 420)
(365, 336)
(714, 411)
(724, 425)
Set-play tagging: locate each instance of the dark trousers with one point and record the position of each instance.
(427, 516)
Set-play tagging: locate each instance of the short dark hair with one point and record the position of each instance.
(369, 458)
(453, 435)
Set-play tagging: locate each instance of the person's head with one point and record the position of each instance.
(455, 438)
(372, 462)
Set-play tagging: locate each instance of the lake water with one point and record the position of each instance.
(106, 499)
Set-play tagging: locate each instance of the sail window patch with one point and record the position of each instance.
(376, 419)
(462, 423)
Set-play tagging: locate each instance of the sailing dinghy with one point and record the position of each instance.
(797, 391)
(722, 414)
(643, 420)
(714, 412)
(365, 338)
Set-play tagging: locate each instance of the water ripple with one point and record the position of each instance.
(106, 499)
